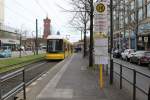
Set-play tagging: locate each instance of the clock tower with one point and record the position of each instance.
(47, 30)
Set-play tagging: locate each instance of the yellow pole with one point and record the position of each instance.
(101, 75)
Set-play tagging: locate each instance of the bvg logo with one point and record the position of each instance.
(100, 7)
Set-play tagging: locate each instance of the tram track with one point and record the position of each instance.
(32, 72)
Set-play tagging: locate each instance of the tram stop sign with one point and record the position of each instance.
(100, 8)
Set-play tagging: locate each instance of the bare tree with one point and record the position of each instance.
(80, 17)
(82, 14)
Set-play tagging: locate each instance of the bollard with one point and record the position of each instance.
(107, 70)
(134, 84)
(24, 85)
(149, 94)
(111, 72)
(0, 89)
(120, 76)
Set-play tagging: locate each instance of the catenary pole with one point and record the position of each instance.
(111, 41)
(91, 34)
(36, 41)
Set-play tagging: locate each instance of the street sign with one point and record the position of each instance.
(100, 7)
(145, 39)
(101, 51)
(100, 33)
(100, 17)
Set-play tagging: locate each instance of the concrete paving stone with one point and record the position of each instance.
(75, 81)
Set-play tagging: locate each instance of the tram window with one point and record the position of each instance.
(49, 45)
(59, 45)
(54, 45)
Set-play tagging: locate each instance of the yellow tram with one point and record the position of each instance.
(58, 48)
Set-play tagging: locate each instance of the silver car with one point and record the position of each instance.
(126, 54)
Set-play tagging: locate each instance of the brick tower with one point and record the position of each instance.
(47, 31)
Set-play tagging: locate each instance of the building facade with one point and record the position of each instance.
(1, 11)
(47, 30)
(9, 39)
(132, 24)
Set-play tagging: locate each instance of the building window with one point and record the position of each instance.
(140, 14)
(121, 23)
(148, 10)
(148, 1)
(132, 17)
(140, 3)
(132, 5)
(126, 20)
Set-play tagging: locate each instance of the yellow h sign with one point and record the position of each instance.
(100, 7)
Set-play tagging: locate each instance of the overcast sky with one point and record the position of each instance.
(22, 14)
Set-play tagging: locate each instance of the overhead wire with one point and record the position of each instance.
(31, 13)
(15, 13)
(37, 2)
(23, 7)
(20, 14)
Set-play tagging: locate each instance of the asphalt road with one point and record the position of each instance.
(32, 72)
(141, 81)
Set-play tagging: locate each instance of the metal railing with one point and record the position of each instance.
(134, 81)
(22, 85)
(16, 89)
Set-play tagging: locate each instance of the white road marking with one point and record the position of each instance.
(34, 83)
(40, 78)
(28, 89)
(44, 75)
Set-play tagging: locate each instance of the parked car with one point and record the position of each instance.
(125, 55)
(117, 53)
(5, 53)
(141, 57)
(130, 55)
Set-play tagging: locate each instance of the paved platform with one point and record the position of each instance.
(73, 80)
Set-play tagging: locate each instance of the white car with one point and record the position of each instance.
(130, 55)
(127, 54)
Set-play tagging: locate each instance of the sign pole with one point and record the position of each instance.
(101, 75)
(101, 38)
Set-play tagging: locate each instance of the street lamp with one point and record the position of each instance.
(36, 40)
(20, 39)
(33, 42)
(22, 26)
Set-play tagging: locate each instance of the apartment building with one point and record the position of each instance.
(132, 24)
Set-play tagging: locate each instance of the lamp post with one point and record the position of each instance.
(20, 39)
(33, 42)
(124, 28)
(91, 34)
(36, 40)
(20, 53)
(137, 24)
(111, 41)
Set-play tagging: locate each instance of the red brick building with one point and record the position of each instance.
(47, 30)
